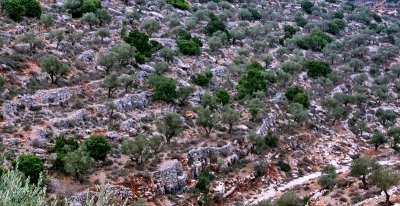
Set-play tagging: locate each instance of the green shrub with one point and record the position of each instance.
(31, 165)
(317, 68)
(271, 139)
(297, 95)
(292, 92)
(165, 88)
(289, 199)
(252, 81)
(300, 20)
(140, 58)
(62, 147)
(302, 98)
(180, 4)
(222, 97)
(307, 6)
(188, 47)
(340, 23)
(62, 143)
(203, 79)
(155, 46)
(338, 15)
(140, 41)
(15, 10)
(215, 24)
(187, 44)
(283, 166)
(289, 31)
(79, 7)
(32, 8)
(333, 28)
(377, 18)
(58, 163)
(97, 146)
(316, 41)
(2, 170)
(2, 82)
(260, 168)
(203, 180)
(90, 6)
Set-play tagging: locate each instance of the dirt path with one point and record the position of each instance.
(275, 190)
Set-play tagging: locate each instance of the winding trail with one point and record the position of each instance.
(271, 191)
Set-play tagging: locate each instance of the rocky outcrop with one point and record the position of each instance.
(170, 177)
(132, 101)
(77, 118)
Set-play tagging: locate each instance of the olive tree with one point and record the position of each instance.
(31, 39)
(255, 108)
(141, 149)
(167, 54)
(362, 166)
(102, 33)
(47, 20)
(58, 35)
(103, 16)
(394, 132)
(111, 83)
(91, 19)
(151, 26)
(78, 164)
(378, 138)
(384, 179)
(183, 94)
(328, 177)
(54, 67)
(127, 81)
(207, 119)
(230, 117)
(170, 126)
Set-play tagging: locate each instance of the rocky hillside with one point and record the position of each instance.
(175, 102)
